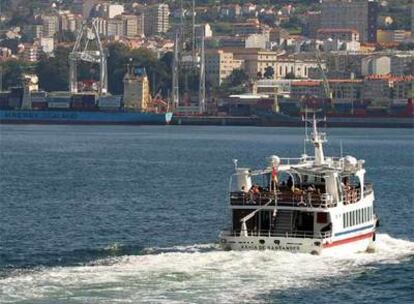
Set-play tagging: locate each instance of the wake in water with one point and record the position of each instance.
(193, 274)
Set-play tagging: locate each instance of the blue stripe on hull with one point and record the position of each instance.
(84, 117)
(354, 230)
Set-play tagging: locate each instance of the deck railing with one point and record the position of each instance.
(294, 234)
(283, 198)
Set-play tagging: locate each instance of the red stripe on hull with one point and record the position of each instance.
(349, 240)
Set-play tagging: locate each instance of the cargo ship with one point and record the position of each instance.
(83, 117)
(263, 110)
(28, 105)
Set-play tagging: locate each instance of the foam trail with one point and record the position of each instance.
(193, 274)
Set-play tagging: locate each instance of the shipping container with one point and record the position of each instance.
(39, 105)
(16, 92)
(89, 98)
(109, 102)
(4, 100)
(58, 105)
(15, 102)
(38, 96)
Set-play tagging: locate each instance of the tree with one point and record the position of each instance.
(11, 44)
(12, 72)
(66, 36)
(53, 72)
(158, 71)
(236, 78)
(269, 72)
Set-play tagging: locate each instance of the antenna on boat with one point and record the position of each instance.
(317, 139)
(306, 139)
(341, 148)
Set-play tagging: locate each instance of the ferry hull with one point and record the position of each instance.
(357, 243)
(83, 118)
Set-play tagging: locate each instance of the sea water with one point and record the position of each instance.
(132, 214)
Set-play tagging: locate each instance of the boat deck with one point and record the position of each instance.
(298, 197)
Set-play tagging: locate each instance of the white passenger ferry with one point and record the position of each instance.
(311, 204)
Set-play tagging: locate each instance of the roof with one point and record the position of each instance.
(340, 30)
(306, 83)
(390, 77)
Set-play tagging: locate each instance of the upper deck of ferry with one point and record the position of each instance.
(301, 183)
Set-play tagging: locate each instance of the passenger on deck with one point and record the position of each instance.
(311, 189)
(290, 182)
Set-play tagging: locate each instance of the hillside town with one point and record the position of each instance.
(220, 57)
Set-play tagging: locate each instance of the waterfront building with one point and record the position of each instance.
(69, 22)
(31, 52)
(295, 66)
(204, 30)
(338, 34)
(389, 37)
(50, 25)
(84, 7)
(220, 64)
(360, 15)
(156, 20)
(375, 65)
(256, 60)
(47, 44)
(133, 25)
(101, 26)
(251, 26)
(108, 10)
(257, 41)
(230, 11)
(115, 27)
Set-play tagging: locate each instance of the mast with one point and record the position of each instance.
(317, 139)
(193, 32)
(202, 88)
(175, 87)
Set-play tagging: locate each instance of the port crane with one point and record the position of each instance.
(88, 48)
